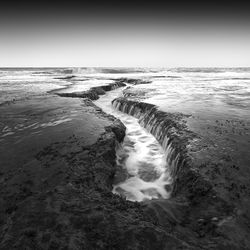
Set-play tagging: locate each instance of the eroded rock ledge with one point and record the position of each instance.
(94, 92)
(197, 211)
(168, 128)
(133, 81)
(59, 196)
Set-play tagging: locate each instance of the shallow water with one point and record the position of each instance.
(22, 84)
(140, 156)
(207, 93)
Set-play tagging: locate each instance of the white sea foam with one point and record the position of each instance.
(145, 159)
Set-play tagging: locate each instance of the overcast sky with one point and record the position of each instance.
(108, 37)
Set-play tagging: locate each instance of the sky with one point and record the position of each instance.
(69, 34)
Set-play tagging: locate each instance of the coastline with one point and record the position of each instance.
(58, 194)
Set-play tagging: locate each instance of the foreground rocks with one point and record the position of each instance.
(56, 180)
(57, 158)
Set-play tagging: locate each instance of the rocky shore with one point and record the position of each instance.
(56, 194)
(57, 172)
(210, 197)
(94, 92)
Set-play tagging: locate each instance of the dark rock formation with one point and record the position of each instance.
(168, 128)
(65, 77)
(137, 94)
(133, 81)
(57, 173)
(99, 90)
(91, 94)
(198, 211)
(56, 194)
(94, 92)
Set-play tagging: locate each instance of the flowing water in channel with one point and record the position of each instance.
(140, 158)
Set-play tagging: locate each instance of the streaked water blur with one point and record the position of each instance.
(207, 93)
(140, 157)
